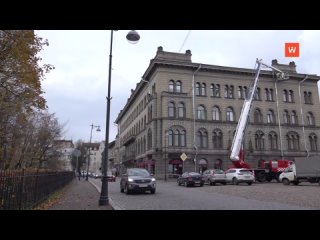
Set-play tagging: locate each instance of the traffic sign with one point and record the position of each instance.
(183, 156)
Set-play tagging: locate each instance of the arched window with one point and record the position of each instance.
(183, 138)
(273, 141)
(171, 86)
(240, 92)
(197, 89)
(226, 91)
(293, 141)
(230, 114)
(290, 96)
(171, 109)
(201, 114)
(257, 95)
(267, 94)
(294, 118)
(313, 142)
(310, 100)
(212, 88)
(231, 93)
(259, 140)
(149, 139)
(286, 117)
(270, 116)
(176, 138)
(178, 87)
(216, 113)
(245, 92)
(203, 89)
(257, 118)
(202, 138)
(217, 139)
(306, 99)
(310, 119)
(217, 90)
(285, 96)
(181, 110)
(170, 137)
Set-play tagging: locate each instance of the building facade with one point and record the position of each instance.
(65, 148)
(184, 107)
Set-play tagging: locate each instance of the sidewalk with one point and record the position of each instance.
(80, 195)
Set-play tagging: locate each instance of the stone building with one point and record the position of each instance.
(184, 107)
(65, 148)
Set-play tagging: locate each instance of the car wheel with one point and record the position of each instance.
(235, 181)
(201, 185)
(224, 183)
(249, 183)
(121, 189)
(153, 191)
(179, 184)
(212, 183)
(285, 181)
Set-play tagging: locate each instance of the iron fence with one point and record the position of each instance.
(26, 188)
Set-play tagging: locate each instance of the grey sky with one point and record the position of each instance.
(76, 90)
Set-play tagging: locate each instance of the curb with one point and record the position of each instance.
(111, 202)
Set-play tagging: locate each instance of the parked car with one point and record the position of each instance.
(111, 177)
(137, 180)
(190, 179)
(213, 176)
(238, 175)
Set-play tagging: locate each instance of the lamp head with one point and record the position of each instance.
(98, 129)
(133, 37)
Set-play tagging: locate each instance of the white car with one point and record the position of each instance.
(238, 175)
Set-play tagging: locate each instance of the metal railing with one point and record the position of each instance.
(26, 188)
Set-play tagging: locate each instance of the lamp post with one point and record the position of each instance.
(132, 37)
(88, 163)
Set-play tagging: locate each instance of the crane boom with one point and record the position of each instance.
(236, 156)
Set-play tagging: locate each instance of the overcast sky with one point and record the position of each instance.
(76, 90)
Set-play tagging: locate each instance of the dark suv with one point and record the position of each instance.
(137, 180)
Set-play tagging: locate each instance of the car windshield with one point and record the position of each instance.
(138, 172)
(245, 171)
(219, 171)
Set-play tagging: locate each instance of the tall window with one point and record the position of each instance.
(240, 92)
(217, 139)
(171, 86)
(181, 110)
(269, 94)
(216, 114)
(176, 137)
(286, 117)
(149, 139)
(308, 97)
(257, 116)
(201, 114)
(231, 93)
(270, 116)
(197, 89)
(290, 96)
(293, 141)
(230, 115)
(171, 109)
(294, 118)
(203, 89)
(257, 95)
(245, 92)
(183, 138)
(310, 119)
(313, 142)
(212, 88)
(170, 137)
(273, 141)
(259, 140)
(285, 96)
(178, 87)
(217, 90)
(202, 138)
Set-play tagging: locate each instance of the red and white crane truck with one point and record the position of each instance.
(270, 169)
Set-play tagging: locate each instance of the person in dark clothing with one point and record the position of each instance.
(79, 175)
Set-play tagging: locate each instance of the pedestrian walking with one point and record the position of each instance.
(79, 175)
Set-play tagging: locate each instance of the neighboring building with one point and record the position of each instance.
(163, 118)
(66, 148)
(95, 157)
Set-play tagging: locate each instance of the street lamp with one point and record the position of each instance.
(132, 37)
(88, 163)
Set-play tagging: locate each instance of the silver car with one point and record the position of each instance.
(137, 180)
(214, 176)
